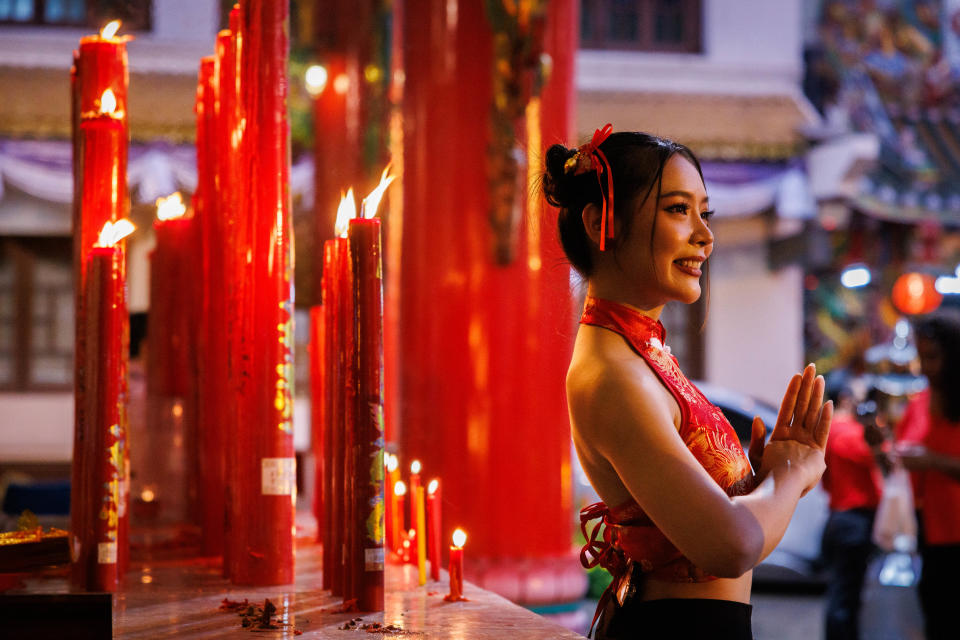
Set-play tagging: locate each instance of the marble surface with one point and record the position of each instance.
(180, 598)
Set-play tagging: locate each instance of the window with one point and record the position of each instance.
(641, 25)
(36, 314)
(77, 13)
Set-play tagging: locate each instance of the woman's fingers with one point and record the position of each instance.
(815, 406)
(803, 397)
(787, 405)
(822, 430)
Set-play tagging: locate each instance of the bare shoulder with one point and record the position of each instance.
(608, 380)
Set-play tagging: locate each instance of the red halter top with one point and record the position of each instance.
(628, 534)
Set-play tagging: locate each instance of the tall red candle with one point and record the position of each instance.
(367, 451)
(346, 386)
(210, 355)
(100, 148)
(96, 503)
(433, 527)
(170, 380)
(317, 352)
(228, 255)
(332, 434)
(266, 463)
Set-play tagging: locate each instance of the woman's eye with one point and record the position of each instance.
(680, 207)
(706, 215)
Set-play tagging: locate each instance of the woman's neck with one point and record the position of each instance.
(616, 294)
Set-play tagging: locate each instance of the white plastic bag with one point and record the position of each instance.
(895, 527)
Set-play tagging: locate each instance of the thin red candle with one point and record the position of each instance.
(391, 526)
(399, 492)
(414, 486)
(368, 570)
(433, 527)
(456, 567)
(209, 311)
(228, 263)
(346, 386)
(332, 434)
(96, 504)
(266, 462)
(316, 352)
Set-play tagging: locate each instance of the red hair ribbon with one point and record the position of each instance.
(598, 162)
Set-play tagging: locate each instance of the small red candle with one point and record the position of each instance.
(393, 475)
(433, 528)
(399, 495)
(456, 567)
(96, 504)
(415, 468)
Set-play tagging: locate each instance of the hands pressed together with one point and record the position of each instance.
(800, 436)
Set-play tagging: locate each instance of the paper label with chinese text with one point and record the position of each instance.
(278, 476)
(107, 553)
(373, 559)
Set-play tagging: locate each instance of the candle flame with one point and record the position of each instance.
(171, 207)
(400, 488)
(108, 102)
(392, 462)
(114, 232)
(459, 538)
(415, 466)
(346, 212)
(433, 486)
(370, 204)
(110, 29)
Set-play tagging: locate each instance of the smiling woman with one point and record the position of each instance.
(687, 514)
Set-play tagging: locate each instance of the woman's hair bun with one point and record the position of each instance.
(555, 181)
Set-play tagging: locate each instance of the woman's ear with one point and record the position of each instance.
(591, 222)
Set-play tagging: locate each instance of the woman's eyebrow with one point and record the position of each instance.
(685, 194)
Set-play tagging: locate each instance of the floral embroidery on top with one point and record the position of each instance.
(628, 532)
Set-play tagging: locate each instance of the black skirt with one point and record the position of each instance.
(674, 618)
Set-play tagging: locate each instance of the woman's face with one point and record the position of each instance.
(682, 240)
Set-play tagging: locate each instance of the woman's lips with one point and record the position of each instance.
(691, 271)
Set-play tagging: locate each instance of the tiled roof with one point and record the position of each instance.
(36, 104)
(720, 127)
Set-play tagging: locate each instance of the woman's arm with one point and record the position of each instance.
(627, 418)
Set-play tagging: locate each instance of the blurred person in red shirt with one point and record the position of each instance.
(853, 480)
(928, 443)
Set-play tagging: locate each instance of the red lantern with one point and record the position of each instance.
(916, 293)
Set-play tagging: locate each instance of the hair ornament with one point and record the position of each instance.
(589, 157)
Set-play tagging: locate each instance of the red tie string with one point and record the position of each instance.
(601, 165)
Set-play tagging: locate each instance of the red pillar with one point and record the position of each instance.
(483, 348)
